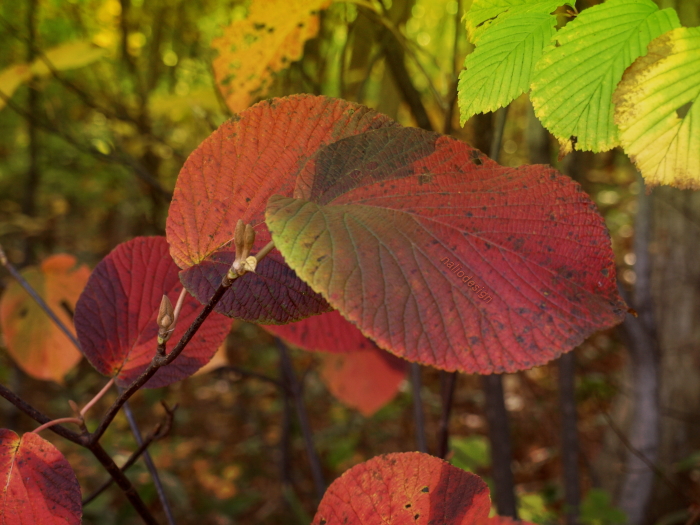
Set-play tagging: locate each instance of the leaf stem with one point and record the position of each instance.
(97, 397)
(265, 250)
(40, 417)
(58, 421)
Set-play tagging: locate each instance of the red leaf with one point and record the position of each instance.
(409, 488)
(366, 379)
(230, 176)
(38, 484)
(328, 332)
(444, 257)
(116, 315)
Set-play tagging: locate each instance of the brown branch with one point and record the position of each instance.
(159, 432)
(159, 361)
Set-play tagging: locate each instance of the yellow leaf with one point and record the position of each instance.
(658, 110)
(66, 56)
(11, 78)
(72, 55)
(33, 340)
(267, 41)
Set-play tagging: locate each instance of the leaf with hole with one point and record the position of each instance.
(404, 488)
(116, 315)
(230, 176)
(35, 343)
(38, 484)
(657, 107)
(445, 258)
(574, 80)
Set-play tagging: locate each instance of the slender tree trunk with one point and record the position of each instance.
(31, 183)
(569, 437)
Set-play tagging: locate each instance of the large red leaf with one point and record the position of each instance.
(444, 257)
(116, 315)
(33, 340)
(230, 176)
(366, 379)
(328, 332)
(38, 484)
(409, 488)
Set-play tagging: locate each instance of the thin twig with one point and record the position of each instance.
(123, 482)
(159, 432)
(37, 298)
(40, 417)
(657, 471)
(295, 388)
(149, 464)
(421, 443)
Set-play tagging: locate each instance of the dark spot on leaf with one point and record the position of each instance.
(247, 199)
(258, 27)
(416, 516)
(271, 30)
(425, 489)
(574, 141)
(23, 313)
(407, 506)
(424, 179)
(323, 522)
(683, 110)
(605, 272)
(300, 24)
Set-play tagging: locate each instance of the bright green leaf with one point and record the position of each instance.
(500, 67)
(574, 80)
(658, 110)
(484, 13)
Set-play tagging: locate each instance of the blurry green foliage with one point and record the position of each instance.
(597, 509)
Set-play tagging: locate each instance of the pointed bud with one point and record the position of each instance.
(249, 240)
(238, 237)
(166, 313)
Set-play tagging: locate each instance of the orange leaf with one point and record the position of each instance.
(38, 484)
(366, 379)
(251, 50)
(35, 343)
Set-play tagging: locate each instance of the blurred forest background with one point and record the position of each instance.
(90, 150)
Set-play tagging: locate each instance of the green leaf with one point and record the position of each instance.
(575, 78)
(500, 67)
(484, 13)
(658, 110)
